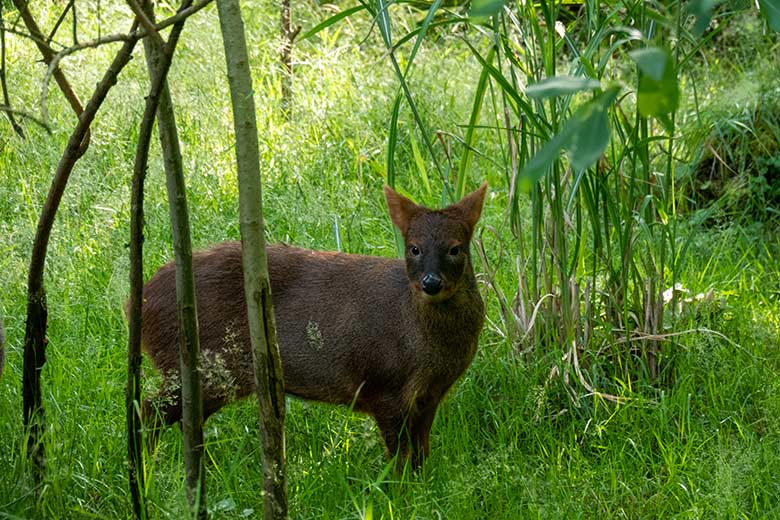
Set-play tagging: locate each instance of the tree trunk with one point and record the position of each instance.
(133, 390)
(192, 401)
(262, 327)
(288, 35)
(37, 314)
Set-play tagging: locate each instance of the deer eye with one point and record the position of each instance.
(455, 251)
(414, 250)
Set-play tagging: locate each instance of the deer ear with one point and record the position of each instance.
(401, 209)
(470, 206)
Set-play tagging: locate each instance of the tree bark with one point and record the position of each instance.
(37, 314)
(288, 35)
(192, 401)
(265, 351)
(133, 390)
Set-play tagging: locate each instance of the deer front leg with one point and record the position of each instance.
(395, 436)
(420, 423)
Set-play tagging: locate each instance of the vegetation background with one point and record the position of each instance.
(526, 432)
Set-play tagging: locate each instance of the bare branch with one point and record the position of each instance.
(186, 300)
(48, 55)
(133, 390)
(3, 84)
(269, 380)
(25, 115)
(60, 20)
(37, 313)
(52, 68)
(33, 38)
(180, 15)
(145, 22)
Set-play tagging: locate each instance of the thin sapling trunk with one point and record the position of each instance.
(269, 382)
(192, 402)
(37, 313)
(133, 390)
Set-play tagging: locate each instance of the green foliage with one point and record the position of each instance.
(658, 94)
(585, 135)
(735, 175)
(560, 86)
(482, 10)
(771, 11)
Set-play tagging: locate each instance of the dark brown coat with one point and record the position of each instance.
(390, 336)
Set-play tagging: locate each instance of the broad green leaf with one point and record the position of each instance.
(560, 86)
(591, 137)
(652, 61)
(658, 94)
(484, 9)
(585, 136)
(535, 168)
(702, 10)
(771, 11)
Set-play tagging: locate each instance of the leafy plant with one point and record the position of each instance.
(587, 121)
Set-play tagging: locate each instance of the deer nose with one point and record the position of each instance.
(431, 284)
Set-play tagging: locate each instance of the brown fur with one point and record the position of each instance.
(351, 328)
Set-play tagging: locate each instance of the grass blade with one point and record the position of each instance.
(392, 140)
(421, 34)
(468, 144)
(333, 19)
(519, 105)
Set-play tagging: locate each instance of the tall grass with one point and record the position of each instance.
(597, 247)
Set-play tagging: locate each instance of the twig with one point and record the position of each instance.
(22, 34)
(60, 20)
(48, 54)
(26, 115)
(3, 84)
(145, 22)
(53, 68)
(75, 25)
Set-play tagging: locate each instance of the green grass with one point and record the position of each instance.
(509, 442)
